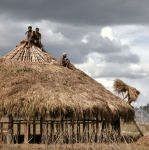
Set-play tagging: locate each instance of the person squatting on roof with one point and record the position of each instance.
(30, 35)
(37, 38)
(64, 61)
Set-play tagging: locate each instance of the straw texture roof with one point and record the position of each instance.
(28, 88)
(31, 54)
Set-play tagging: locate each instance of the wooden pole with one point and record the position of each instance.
(93, 127)
(97, 129)
(52, 131)
(47, 133)
(29, 130)
(84, 125)
(34, 131)
(26, 131)
(10, 130)
(138, 128)
(1, 128)
(88, 128)
(62, 128)
(18, 131)
(42, 130)
(103, 128)
(57, 130)
(66, 132)
(73, 135)
(93, 131)
(78, 130)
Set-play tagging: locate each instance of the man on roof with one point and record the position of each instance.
(37, 38)
(64, 61)
(131, 94)
(30, 36)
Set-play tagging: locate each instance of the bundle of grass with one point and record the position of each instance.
(120, 87)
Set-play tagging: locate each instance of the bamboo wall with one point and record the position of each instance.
(55, 131)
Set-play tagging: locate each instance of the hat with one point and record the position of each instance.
(64, 54)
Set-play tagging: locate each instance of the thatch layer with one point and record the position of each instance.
(27, 88)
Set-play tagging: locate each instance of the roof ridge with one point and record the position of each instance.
(30, 54)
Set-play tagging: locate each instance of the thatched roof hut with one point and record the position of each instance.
(32, 81)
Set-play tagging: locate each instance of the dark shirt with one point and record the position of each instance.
(37, 36)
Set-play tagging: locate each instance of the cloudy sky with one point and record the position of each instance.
(107, 39)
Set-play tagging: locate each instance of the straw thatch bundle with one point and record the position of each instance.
(120, 87)
(29, 88)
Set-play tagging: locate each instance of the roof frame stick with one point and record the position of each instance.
(138, 128)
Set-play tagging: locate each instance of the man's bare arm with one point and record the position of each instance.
(126, 95)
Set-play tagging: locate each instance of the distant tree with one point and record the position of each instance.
(145, 108)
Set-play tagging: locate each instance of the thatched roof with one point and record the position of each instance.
(27, 88)
(31, 54)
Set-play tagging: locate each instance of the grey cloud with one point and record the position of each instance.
(105, 45)
(78, 12)
(73, 53)
(67, 12)
(114, 51)
(77, 51)
(118, 71)
(122, 58)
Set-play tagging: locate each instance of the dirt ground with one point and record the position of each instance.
(141, 144)
(143, 141)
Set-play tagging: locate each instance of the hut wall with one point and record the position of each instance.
(64, 130)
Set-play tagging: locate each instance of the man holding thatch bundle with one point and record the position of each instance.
(131, 93)
(64, 61)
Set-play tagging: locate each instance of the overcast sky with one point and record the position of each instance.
(107, 39)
